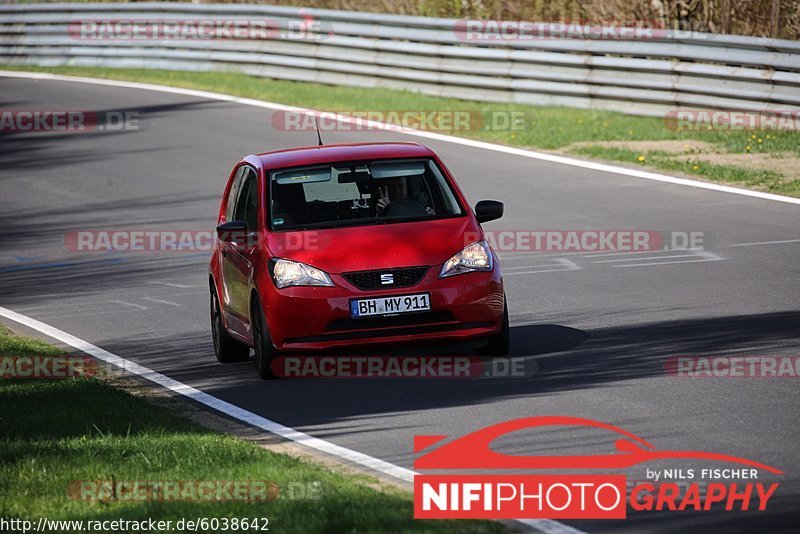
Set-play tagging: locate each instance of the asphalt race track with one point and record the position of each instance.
(595, 331)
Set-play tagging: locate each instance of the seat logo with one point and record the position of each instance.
(387, 279)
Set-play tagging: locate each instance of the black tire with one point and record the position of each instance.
(226, 348)
(498, 345)
(264, 349)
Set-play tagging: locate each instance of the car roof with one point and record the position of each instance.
(313, 155)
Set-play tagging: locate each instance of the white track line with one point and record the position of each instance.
(182, 286)
(564, 160)
(136, 306)
(533, 254)
(93, 304)
(151, 299)
(565, 263)
(765, 243)
(596, 255)
(539, 272)
(705, 254)
(662, 263)
(105, 313)
(519, 267)
(617, 260)
(208, 400)
(231, 410)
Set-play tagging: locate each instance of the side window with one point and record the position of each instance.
(233, 194)
(246, 208)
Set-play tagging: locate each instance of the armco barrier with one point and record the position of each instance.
(430, 55)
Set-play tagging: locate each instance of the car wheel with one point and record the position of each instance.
(227, 349)
(265, 350)
(499, 343)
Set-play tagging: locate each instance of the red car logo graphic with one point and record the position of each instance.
(473, 450)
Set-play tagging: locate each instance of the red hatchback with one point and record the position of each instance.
(351, 245)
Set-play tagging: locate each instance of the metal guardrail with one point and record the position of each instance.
(429, 55)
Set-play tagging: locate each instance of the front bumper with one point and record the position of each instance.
(463, 308)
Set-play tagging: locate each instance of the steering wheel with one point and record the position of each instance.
(407, 207)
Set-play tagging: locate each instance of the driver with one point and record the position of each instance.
(396, 191)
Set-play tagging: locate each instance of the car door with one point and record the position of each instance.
(227, 270)
(239, 254)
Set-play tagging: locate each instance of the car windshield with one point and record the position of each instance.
(353, 194)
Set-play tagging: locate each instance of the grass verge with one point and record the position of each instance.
(765, 161)
(56, 432)
(759, 179)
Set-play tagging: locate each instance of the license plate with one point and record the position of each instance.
(390, 305)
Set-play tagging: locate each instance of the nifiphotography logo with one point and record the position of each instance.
(574, 496)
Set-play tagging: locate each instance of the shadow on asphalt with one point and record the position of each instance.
(34, 150)
(565, 359)
(98, 154)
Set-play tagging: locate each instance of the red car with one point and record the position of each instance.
(351, 245)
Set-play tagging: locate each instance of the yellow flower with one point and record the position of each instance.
(513, 136)
(768, 137)
(641, 158)
(760, 140)
(753, 136)
(695, 167)
(748, 147)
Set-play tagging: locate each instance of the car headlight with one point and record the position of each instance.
(475, 257)
(287, 273)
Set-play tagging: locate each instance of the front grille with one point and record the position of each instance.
(390, 322)
(405, 277)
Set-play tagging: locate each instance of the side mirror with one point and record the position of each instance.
(232, 231)
(488, 210)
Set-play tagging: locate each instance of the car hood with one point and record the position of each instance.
(379, 246)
